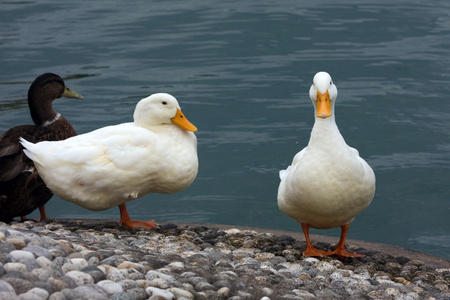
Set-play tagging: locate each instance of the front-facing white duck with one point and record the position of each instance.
(157, 153)
(327, 184)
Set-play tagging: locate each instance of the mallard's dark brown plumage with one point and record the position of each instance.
(21, 188)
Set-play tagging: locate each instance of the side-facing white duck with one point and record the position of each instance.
(157, 153)
(328, 183)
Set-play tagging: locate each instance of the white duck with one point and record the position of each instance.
(327, 184)
(115, 164)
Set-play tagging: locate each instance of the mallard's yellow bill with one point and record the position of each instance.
(68, 93)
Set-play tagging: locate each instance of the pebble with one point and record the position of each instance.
(80, 278)
(88, 260)
(110, 287)
(159, 294)
(35, 294)
(19, 255)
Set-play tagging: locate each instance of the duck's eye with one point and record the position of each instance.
(331, 82)
(164, 103)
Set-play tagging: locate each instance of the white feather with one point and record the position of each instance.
(327, 184)
(115, 164)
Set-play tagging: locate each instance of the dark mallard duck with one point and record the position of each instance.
(21, 188)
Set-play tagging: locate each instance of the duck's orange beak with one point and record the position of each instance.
(323, 105)
(181, 121)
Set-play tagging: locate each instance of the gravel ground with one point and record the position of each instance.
(92, 259)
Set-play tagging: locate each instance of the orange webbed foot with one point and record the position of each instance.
(311, 251)
(127, 222)
(342, 253)
(42, 218)
(339, 250)
(134, 224)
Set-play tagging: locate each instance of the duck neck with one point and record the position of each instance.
(325, 133)
(42, 113)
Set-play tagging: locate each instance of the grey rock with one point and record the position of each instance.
(95, 272)
(124, 296)
(20, 285)
(38, 251)
(57, 296)
(6, 247)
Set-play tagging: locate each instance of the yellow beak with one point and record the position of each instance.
(323, 105)
(68, 93)
(181, 121)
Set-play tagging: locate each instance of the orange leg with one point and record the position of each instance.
(125, 220)
(42, 212)
(310, 250)
(339, 250)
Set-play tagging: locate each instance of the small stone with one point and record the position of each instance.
(90, 291)
(88, 254)
(93, 261)
(311, 260)
(304, 294)
(268, 291)
(68, 281)
(56, 252)
(8, 296)
(95, 272)
(74, 255)
(6, 287)
(325, 267)
(6, 247)
(125, 296)
(35, 294)
(204, 286)
(128, 284)
(110, 287)
(20, 285)
(176, 266)
(401, 280)
(138, 293)
(41, 273)
(71, 294)
(44, 262)
(18, 255)
(38, 251)
(18, 267)
(158, 294)
(80, 278)
(155, 274)
(295, 268)
(112, 260)
(232, 231)
(131, 265)
(57, 296)
(224, 291)
(222, 283)
(44, 285)
(74, 264)
(180, 293)
(392, 293)
(18, 243)
(115, 275)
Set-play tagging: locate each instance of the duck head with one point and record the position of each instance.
(323, 94)
(41, 94)
(159, 109)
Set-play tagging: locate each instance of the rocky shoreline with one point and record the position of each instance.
(97, 259)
